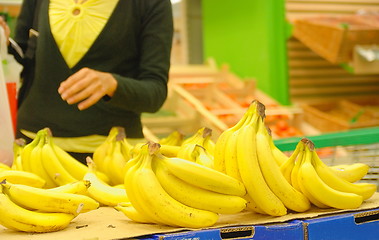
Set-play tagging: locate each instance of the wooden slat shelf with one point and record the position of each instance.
(312, 78)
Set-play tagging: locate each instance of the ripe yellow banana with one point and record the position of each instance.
(21, 177)
(222, 141)
(196, 197)
(290, 196)
(279, 156)
(18, 146)
(203, 157)
(101, 151)
(48, 201)
(79, 187)
(252, 205)
(25, 154)
(76, 168)
(20, 219)
(258, 190)
(188, 147)
(102, 192)
(35, 161)
(287, 166)
(366, 190)
(296, 176)
(54, 166)
(204, 177)
(175, 138)
(129, 211)
(320, 190)
(116, 164)
(169, 210)
(132, 187)
(351, 172)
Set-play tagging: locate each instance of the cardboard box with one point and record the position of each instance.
(334, 37)
(363, 225)
(282, 231)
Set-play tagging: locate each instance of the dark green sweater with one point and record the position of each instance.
(134, 46)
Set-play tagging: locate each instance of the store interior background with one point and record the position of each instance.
(254, 39)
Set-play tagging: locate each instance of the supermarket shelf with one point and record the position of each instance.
(344, 138)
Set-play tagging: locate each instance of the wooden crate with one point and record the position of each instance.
(338, 116)
(334, 37)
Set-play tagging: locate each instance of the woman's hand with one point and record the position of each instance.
(5, 26)
(86, 87)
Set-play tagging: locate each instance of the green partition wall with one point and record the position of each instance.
(250, 36)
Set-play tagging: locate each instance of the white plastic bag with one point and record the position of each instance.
(9, 73)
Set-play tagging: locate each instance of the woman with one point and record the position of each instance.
(96, 64)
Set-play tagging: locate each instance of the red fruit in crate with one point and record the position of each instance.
(282, 125)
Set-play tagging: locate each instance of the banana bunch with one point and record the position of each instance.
(102, 192)
(201, 144)
(177, 192)
(30, 209)
(244, 152)
(322, 186)
(44, 159)
(111, 156)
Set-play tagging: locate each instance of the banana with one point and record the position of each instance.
(230, 158)
(53, 165)
(187, 148)
(351, 172)
(279, 156)
(169, 150)
(35, 160)
(132, 187)
(102, 192)
(290, 196)
(320, 190)
(48, 201)
(20, 219)
(18, 146)
(175, 138)
(101, 151)
(128, 210)
(222, 142)
(203, 177)
(21, 177)
(262, 198)
(76, 168)
(196, 197)
(79, 187)
(252, 205)
(366, 190)
(287, 166)
(203, 157)
(161, 204)
(25, 154)
(116, 164)
(296, 177)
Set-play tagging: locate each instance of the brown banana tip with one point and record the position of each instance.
(153, 147)
(207, 132)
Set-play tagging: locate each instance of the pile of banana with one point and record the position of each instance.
(320, 183)
(32, 209)
(181, 182)
(274, 182)
(177, 192)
